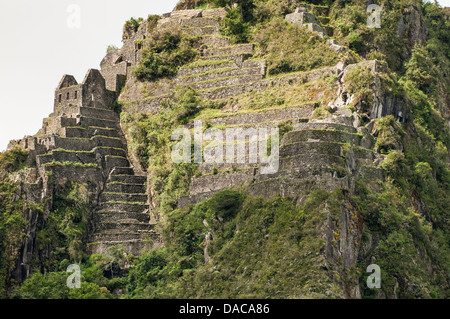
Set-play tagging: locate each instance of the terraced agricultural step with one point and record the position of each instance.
(310, 161)
(104, 141)
(220, 181)
(264, 116)
(324, 126)
(333, 148)
(104, 151)
(219, 73)
(238, 58)
(200, 22)
(202, 31)
(125, 188)
(112, 217)
(128, 179)
(240, 49)
(200, 68)
(215, 41)
(124, 197)
(208, 168)
(66, 156)
(88, 132)
(225, 82)
(99, 113)
(73, 144)
(85, 121)
(321, 136)
(124, 207)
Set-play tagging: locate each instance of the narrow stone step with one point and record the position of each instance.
(126, 188)
(128, 179)
(123, 207)
(128, 225)
(111, 217)
(116, 161)
(217, 74)
(225, 82)
(122, 171)
(123, 197)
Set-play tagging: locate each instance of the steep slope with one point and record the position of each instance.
(360, 176)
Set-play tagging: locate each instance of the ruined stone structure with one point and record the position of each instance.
(82, 139)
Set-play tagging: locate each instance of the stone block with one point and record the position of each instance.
(225, 82)
(226, 180)
(122, 197)
(126, 188)
(129, 179)
(124, 207)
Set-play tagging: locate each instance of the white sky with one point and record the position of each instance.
(38, 47)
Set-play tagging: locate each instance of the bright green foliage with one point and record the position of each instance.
(64, 232)
(12, 222)
(165, 54)
(235, 27)
(288, 48)
(12, 161)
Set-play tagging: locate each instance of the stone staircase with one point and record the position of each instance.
(91, 138)
(123, 217)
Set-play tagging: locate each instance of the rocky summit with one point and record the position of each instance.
(257, 149)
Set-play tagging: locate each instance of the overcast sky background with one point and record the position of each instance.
(38, 47)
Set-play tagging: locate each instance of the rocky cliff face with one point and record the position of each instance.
(333, 139)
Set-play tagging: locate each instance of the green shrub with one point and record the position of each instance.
(235, 27)
(166, 53)
(288, 48)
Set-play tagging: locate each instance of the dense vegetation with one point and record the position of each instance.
(164, 54)
(235, 245)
